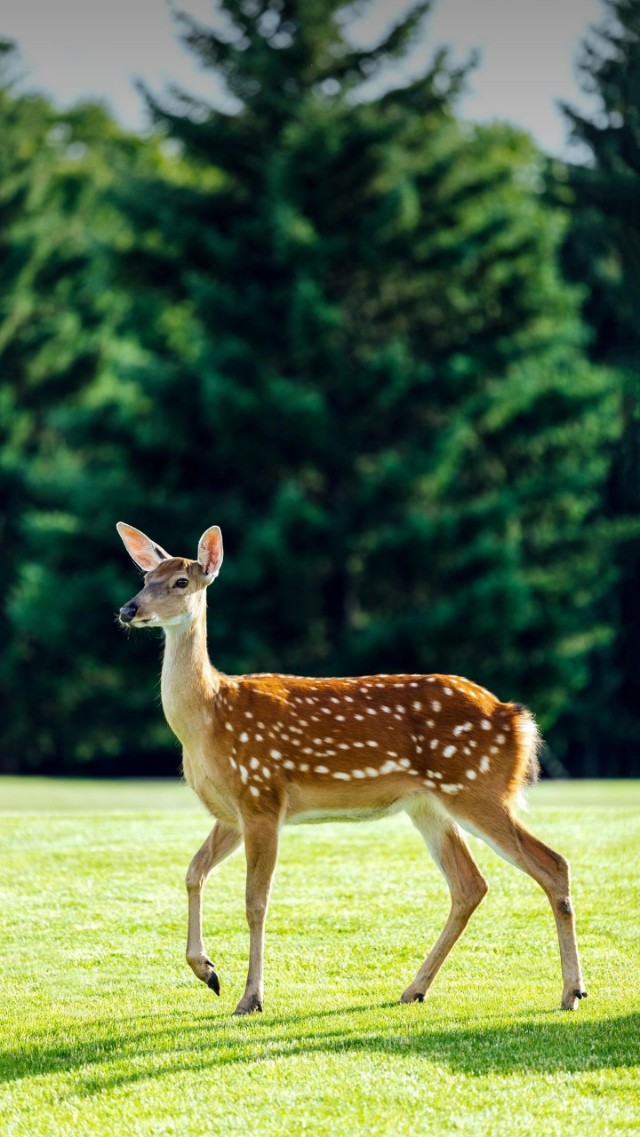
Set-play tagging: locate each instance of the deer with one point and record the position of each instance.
(262, 750)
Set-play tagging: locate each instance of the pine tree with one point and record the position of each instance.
(58, 313)
(365, 365)
(336, 327)
(603, 252)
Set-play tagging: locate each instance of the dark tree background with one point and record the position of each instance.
(337, 326)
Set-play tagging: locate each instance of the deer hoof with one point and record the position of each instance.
(213, 982)
(571, 1002)
(410, 996)
(248, 1006)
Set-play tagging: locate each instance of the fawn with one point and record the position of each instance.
(261, 750)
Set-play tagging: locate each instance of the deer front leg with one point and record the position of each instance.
(222, 841)
(261, 845)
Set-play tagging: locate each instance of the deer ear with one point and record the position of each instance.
(210, 551)
(146, 554)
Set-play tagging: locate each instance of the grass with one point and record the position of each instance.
(105, 1031)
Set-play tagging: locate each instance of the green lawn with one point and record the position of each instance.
(105, 1031)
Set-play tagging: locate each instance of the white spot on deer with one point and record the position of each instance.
(308, 750)
(360, 718)
(386, 710)
(348, 699)
(254, 764)
(248, 715)
(449, 751)
(358, 773)
(258, 738)
(326, 710)
(266, 772)
(447, 690)
(341, 776)
(371, 711)
(334, 699)
(322, 770)
(233, 763)
(343, 746)
(244, 773)
(494, 750)
(288, 765)
(371, 742)
(389, 767)
(254, 790)
(275, 754)
(358, 745)
(485, 724)
(304, 766)
(370, 772)
(484, 764)
(429, 784)
(471, 774)
(417, 706)
(229, 726)
(449, 789)
(405, 762)
(340, 718)
(500, 739)
(434, 744)
(436, 706)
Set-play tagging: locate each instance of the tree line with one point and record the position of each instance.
(393, 354)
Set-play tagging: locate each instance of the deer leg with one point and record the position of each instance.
(466, 885)
(261, 846)
(222, 841)
(513, 841)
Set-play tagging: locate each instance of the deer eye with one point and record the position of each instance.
(181, 583)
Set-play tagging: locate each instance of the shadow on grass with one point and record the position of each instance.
(153, 1046)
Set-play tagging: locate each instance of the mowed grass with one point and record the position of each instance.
(105, 1030)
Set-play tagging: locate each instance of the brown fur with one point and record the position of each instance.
(263, 749)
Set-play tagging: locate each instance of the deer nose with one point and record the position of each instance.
(128, 611)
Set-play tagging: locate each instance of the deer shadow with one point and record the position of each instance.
(168, 1044)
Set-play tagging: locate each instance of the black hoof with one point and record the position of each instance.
(419, 999)
(214, 983)
(580, 994)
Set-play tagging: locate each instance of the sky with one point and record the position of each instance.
(74, 49)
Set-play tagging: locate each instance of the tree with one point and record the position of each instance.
(603, 252)
(337, 328)
(58, 315)
(364, 364)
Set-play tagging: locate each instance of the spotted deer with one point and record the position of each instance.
(261, 750)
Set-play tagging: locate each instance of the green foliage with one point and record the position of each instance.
(333, 324)
(109, 1032)
(602, 250)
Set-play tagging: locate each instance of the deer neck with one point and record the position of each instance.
(189, 681)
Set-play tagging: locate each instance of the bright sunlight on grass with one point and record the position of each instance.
(106, 1031)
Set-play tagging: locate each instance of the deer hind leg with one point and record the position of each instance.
(513, 841)
(466, 885)
(222, 841)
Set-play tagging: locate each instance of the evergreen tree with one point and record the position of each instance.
(364, 364)
(337, 329)
(603, 252)
(58, 313)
